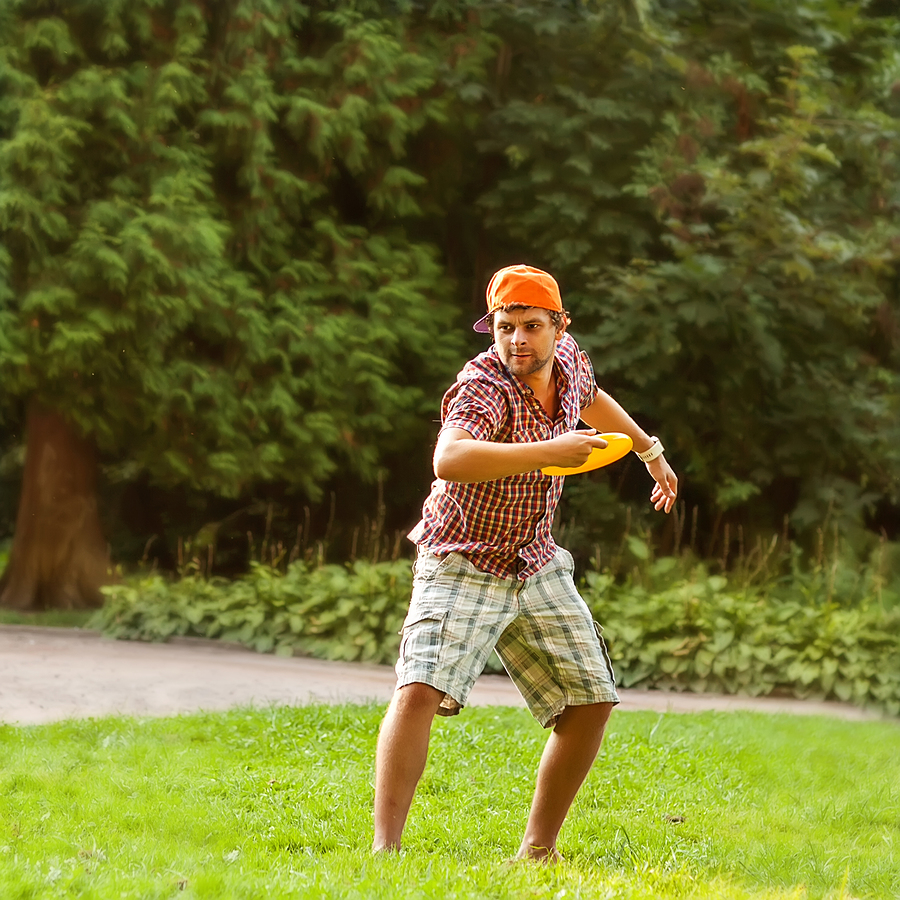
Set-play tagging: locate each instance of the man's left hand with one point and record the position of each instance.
(666, 488)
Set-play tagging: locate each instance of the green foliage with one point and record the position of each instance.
(772, 307)
(702, 634)
(566, 126)
(351, 613)
(810, 635)
(207, 218)
(755, 324)
(238, 241)
(276, 803)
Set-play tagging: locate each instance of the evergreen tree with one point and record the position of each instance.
(226, 231)
(209, 267)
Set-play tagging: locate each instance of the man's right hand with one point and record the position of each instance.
(574, 447)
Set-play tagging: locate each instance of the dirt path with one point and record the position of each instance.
(49, 674)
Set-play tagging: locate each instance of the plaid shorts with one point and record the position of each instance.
(541, 628)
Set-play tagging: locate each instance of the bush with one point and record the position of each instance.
(668, 626)
(351, 613)
(701, 634)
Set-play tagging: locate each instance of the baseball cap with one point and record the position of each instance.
(520, 284)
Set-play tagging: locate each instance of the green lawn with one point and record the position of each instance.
(58, 618)
(276, 803)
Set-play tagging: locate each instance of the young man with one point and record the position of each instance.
(488, 573)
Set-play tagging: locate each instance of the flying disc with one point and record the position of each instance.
(618, 446)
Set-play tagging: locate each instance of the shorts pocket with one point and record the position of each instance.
(427, 565)
(422, 636)
(599, 629)
(568, 564)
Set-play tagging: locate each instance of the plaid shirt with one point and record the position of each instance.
(503, 526)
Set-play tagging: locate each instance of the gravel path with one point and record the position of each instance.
(49, 674)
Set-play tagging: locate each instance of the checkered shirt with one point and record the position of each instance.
(503, 526)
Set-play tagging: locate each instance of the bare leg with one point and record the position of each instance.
(400, 759)
(567, 758)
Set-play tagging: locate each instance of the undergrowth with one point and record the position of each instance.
(351, 612)
(670, 624)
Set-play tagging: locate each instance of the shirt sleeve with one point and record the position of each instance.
(475, 405)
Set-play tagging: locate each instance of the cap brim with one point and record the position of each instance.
(482, 326)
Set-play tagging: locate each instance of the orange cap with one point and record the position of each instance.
(520, 284)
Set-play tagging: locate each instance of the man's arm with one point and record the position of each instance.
(605, 414)
(460, 457)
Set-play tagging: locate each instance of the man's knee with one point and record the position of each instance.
(591, 716)
(417, 698)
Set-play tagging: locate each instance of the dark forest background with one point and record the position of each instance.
(242, 244)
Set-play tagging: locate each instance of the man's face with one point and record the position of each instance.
(526, 340)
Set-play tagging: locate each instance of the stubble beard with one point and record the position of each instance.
(527, 366)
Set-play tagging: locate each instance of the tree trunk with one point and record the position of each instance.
(59, 557)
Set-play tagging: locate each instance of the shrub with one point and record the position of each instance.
(351, 613)
(699, 634)
(668, 627)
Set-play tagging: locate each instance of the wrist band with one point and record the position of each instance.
(649, 455)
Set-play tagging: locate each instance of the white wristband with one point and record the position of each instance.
(649, 455)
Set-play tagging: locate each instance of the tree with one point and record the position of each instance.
(580, 90)
(760, 340)
(766, 286)
(208, 270)
(235, 240)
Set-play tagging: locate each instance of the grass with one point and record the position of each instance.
(62, 618)
(275, 803)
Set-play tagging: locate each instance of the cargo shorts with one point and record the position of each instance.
(541, 628)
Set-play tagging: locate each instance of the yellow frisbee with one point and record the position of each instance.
(618, 446)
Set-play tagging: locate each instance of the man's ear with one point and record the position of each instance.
(562, 328)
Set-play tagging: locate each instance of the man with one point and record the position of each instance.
(488, 572)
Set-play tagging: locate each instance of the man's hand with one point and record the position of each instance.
(574, 447)
(460, 457)
(666, 488)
